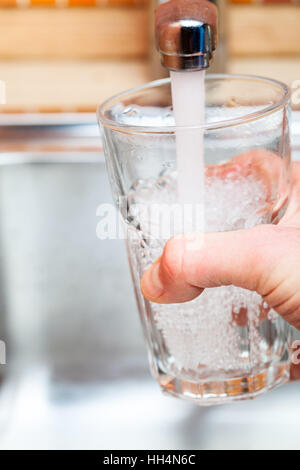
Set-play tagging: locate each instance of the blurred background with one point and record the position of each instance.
(77, 373)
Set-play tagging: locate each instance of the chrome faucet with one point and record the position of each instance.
(184, 40)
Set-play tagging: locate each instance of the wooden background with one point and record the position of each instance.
(73, 58)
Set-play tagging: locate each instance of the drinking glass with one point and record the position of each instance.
(227, 344)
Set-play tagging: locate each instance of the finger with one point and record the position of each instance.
(164, 281)
(264, 258)
(296, 175)
(240, 317)
(267, 168)
(190, 264)
(295, 372)
(263, 165)
(292, 216)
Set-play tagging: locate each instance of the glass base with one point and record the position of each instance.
(207, 393)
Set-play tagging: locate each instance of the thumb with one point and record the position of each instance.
(263, 258)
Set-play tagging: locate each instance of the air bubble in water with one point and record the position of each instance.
(202, 333)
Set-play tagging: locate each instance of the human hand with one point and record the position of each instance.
(265, 258)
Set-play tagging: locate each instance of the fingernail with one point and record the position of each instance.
(151, 285)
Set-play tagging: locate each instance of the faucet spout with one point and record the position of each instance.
(186, 34)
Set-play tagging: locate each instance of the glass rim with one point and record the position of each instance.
(171, 129)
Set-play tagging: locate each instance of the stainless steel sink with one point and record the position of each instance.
(77, 373)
